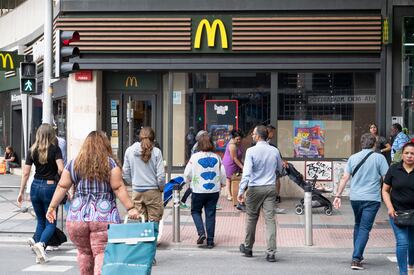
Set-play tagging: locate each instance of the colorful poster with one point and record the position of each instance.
(220, 135)
(309, 138)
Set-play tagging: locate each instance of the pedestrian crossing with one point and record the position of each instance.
(56, 264)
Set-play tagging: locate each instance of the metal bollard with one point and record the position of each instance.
(308, 216)
(176, 213)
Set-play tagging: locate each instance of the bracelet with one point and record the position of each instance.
(338, 196)
(131, 208)
(51, 208)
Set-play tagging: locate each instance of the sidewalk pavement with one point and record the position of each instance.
(329, 231)
(334, 231)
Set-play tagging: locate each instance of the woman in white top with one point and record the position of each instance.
(206, 175)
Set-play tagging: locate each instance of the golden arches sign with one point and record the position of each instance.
(131, 81)
(211, 33)
(4, 64)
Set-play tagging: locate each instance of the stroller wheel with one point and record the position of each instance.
(328, 211)
(299, 209)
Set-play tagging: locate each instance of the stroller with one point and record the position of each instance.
(169, 186)
(318, 200)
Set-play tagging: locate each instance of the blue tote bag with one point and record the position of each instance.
(131, 248)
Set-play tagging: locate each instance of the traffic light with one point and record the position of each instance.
(28, 75)
(64, 52)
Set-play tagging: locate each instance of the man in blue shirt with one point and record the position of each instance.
(400, 139)
(365, 193)
(261, 163)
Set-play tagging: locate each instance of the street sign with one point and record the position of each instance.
(28, 78)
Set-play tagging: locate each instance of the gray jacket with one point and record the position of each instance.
(143, 176)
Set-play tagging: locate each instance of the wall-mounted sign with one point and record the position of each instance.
(220, 118)
(16, 98)
(342, 99)
(177, 97)
(7, 61)
(131, 81)
(211, 31)
(83, 76)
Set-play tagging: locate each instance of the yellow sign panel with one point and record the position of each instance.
(4, 57)
(211, 33)
(131, 81)
(114, 133)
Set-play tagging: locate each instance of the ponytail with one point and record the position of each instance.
(147, 137)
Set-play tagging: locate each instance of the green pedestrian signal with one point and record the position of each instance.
(28, 85)
(28, 78)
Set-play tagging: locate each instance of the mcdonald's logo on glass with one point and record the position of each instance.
(211, 30)
(6, 61)
(131, 81)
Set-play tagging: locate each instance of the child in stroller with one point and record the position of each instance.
(318, 200)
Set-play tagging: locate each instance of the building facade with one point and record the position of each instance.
(319, 71)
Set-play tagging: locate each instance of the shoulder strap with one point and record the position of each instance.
(361, 162)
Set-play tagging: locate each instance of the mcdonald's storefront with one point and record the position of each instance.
(316, 75)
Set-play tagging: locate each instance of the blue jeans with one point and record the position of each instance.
(209, 202)
(405, 246)
(364, 212)
(11, 165)
(41, 194)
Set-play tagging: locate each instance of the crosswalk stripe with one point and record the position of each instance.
(47, 268)
(392, 259)
(72, 251)
(63, 259)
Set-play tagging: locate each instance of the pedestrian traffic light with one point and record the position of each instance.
(28, 75)
(64, 52)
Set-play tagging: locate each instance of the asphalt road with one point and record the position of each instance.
(17, 258)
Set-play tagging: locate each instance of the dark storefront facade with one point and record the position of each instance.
(314, 70)
(320, 71)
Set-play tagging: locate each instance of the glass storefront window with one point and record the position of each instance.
(408, 74)
(323, 115)
(59, 116)
(217, 102)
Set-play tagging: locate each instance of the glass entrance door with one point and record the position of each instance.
(127, 114)
(139, 111)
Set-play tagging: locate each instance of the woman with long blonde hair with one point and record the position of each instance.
(144, 168)
(97, 180)
(47, 158)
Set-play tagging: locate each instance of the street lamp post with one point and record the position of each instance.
(47, 63)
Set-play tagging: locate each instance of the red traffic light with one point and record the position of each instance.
(68, 37)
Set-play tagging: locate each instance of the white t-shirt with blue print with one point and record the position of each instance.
(205, 173)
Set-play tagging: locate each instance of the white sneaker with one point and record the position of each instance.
(37, 260)
(39, 249)
(52, 248)
(31, 242)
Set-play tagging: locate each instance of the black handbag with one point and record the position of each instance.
(57, 238)
(404, 218)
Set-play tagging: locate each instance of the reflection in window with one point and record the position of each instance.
(210, 101)
(323, 115)
(408, 74)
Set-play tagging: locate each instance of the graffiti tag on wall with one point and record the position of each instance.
(321, 169)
